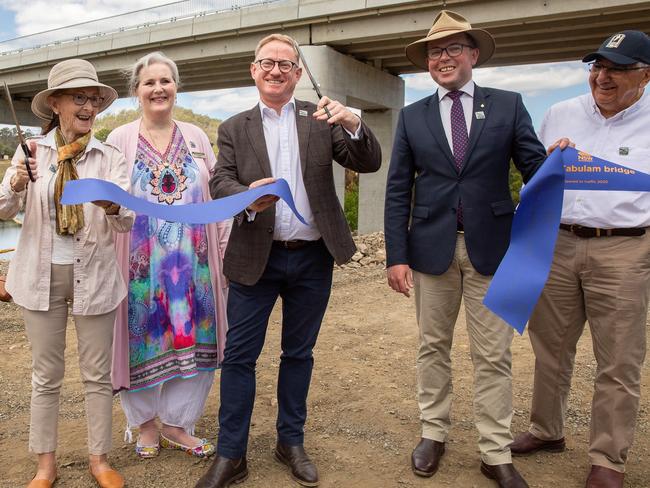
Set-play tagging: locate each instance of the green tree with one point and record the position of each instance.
(102, 133)
(9, 140)
(106, 123)
(516, 182)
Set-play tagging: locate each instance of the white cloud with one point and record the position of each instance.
(531, 80)
(222, 103)
(41, 15)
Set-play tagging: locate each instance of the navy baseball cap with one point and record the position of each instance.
(625, 47)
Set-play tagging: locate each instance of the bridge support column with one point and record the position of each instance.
(23, 112)
(372, 187)
(379, 96)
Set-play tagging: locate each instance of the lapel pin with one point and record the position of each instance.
(302, 113)
(482, 105)
(479, 115)
(623, 151)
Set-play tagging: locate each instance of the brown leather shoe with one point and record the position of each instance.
(504, 474)
(109, 478)
(526, 443)
(295, 457)
(41, 483)
(426, 457)
(601, 477)
(223, 472)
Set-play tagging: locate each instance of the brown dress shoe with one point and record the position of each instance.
(296, 459)
(41, 483)
(426, 457)
(109, 478)
(223, 472)
(505, 475)
(526, 443)
(601, 477)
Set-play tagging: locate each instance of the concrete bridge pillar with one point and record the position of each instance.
(379, 96)
(23, 111)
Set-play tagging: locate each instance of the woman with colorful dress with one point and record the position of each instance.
(170, 331)
(65, 262)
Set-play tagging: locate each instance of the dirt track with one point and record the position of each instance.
(363, 419)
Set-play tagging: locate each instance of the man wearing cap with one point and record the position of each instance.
(601, 266)
(451, 158)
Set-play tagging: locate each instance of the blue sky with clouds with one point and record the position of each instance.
(541, 85)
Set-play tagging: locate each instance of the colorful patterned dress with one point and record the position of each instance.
(172, 328)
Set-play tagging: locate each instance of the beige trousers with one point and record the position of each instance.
(46, 333)
(607, 282)
(437, 300)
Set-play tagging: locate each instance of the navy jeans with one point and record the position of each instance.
(303, 278)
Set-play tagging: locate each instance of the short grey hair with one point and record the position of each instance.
(156, 57)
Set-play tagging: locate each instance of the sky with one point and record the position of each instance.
(541, 85)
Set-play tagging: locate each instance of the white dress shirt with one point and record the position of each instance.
(622, 139)
(281, 136)
(467, 99)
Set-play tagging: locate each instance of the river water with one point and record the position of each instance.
(9, 232)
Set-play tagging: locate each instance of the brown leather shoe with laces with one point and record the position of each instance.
(526, 444)
(223, 472)
(426, 457)
(296, 459)
(505, 475)
(601, 477)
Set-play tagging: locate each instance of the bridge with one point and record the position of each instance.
(354, 47)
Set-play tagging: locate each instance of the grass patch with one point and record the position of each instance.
(4, 164)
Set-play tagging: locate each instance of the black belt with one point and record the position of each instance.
(587, 232)
(295, 244)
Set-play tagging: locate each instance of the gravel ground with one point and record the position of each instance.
(363, 417)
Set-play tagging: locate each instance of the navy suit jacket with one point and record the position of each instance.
(424, 187)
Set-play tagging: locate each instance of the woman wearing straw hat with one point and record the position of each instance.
(66, 255)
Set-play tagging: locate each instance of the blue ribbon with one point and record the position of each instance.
(520, 278)
(90, 189)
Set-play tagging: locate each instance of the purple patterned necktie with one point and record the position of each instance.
(458, 128)
(459, 139)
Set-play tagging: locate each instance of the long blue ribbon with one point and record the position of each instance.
(89, 189)
(520, 278)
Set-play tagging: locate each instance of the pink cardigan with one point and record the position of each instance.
(125, 138)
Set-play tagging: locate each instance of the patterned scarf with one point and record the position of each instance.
(69, 218)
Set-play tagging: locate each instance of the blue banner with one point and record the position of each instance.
(89, 189)
(520, 278)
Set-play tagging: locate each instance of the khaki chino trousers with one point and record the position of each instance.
(438, 299)
(605, 281)
(46, 332)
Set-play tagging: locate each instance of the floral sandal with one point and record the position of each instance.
(204, 449)
(146, 452)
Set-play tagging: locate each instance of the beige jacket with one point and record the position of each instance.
(98, 283)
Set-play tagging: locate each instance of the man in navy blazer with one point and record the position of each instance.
(447, 224)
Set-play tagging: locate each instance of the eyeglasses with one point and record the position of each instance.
(81, 99)
(284, 65)
(453, 50)
(596, 68)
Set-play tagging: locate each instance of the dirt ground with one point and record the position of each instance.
(363, 417)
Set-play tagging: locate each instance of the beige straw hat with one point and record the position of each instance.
(448, 23)
(71, 73)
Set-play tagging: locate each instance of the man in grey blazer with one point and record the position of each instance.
(271, 254)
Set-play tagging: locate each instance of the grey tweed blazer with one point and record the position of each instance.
(243, 158)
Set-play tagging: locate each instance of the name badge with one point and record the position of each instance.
(479, 115)
(302, 113)
(198, 155)
(623, 151)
